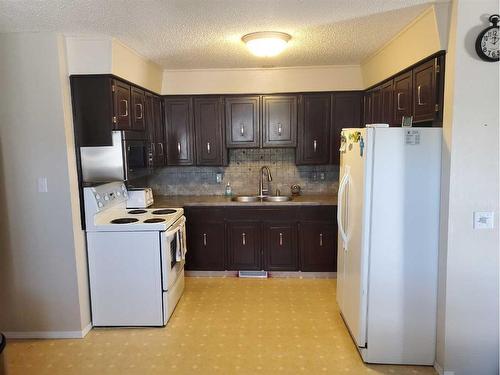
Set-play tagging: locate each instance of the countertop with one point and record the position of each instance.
(220, 200)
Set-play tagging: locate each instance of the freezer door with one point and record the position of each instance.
(353, 231)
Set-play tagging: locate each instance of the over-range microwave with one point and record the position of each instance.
(128, 158)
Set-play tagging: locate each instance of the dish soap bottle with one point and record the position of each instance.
(228, 191)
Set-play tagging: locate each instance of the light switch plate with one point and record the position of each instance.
(484, 220)
(42, 185)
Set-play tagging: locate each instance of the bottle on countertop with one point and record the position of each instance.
(229, 191)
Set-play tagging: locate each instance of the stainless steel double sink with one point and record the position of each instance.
(255, 198)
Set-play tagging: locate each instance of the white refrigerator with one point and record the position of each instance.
(388, 219)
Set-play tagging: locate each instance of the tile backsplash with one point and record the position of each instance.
(243, 175)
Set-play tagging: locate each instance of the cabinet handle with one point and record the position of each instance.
(419, 102)
(126, 108)
(153, 150)
(204, 239)
(141, 111)
(179, 148)
(244, 239)
(279, 129)
(315, 145)
(321, 239)
(242, 129)
(208, 147)
(161, 147)
(281, 239)
(399, 101)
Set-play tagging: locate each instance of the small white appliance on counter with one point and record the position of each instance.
(136, 259)
(388, 219)
(140, 197)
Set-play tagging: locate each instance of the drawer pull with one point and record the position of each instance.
(419, 89)
(141, 112)
(279, 129)
(315, 145)
(399, 101)
(321, 239)
(204, 239)
(126, 108)
(281, 239)
(208, 147)
(242, 129)
(244, 239)
(179, 148)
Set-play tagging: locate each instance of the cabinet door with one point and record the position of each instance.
(346, 113)
(318, 246)
(367, 108)
(159, 132)
(206, 246)
(386, 91)
(242, 121)
(402, 97)
(121, 105)
(376, 99)
(280, 247)
(179, 125)
(424, 92)
(210, 149)
(137, 109)
(313, 143)
(244, 246)
(279, 121)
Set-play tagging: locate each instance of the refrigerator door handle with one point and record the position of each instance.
(340, 206)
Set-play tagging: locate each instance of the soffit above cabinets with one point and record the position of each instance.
(201, 34)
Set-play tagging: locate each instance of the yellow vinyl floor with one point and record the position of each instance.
(221, 326)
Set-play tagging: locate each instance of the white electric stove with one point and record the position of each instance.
(136, 258)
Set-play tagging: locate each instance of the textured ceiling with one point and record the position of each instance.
(188, 34)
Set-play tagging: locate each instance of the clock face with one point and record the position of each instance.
(490, 43)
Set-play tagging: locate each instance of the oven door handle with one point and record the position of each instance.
(176, 226)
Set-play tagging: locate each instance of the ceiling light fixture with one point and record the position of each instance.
(266, 43)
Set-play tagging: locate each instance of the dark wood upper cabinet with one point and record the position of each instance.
(313, 142)
(242, 121)
(402, 97)
(159, 132)
(318, 246)
(122, 105)
(280, 247)
(386, 91)
(138, 109)
(209, 130)
(179, 131)
(367, 108)
(279, 121)
(244, 246)
(346, 113)
(376, 99)
(424, 92)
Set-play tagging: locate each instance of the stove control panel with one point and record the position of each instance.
(101, 197)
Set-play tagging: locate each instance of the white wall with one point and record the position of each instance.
(103, 55)
(421, 38)
(270, 80)
(44, 289)
(468, 302)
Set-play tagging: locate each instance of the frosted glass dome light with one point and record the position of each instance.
(266, 43)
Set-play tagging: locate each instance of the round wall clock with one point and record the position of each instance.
(487, 43)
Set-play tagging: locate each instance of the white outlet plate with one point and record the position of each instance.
(484, 220)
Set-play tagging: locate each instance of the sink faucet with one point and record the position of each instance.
(264, 191)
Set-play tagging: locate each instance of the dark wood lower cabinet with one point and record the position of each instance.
(206, 243)
(280, 247)
(244, 250)
(318, 246)
(289, 238)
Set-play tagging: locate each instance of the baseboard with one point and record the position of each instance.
(441, 371)
(49, 334)
(276, 274)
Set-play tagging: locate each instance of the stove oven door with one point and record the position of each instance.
(173, 244)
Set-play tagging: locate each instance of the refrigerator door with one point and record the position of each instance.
(355, 169)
